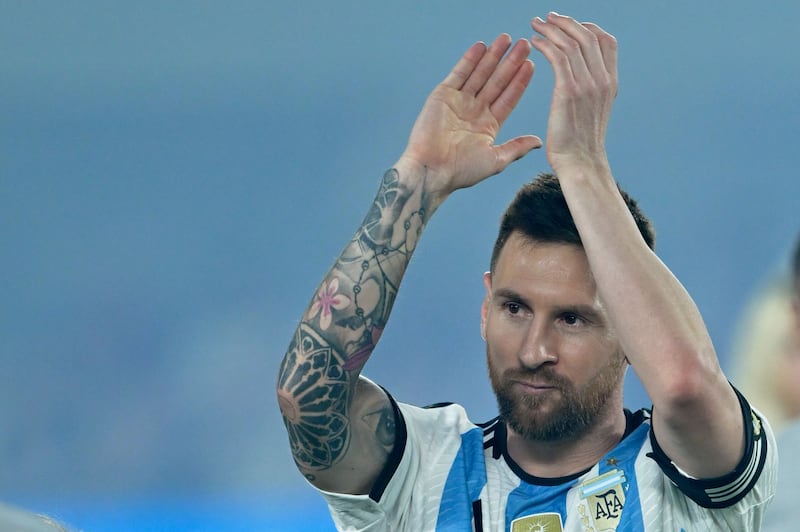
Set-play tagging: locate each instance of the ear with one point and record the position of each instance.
(487, 283)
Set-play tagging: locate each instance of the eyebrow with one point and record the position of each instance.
(507, 293)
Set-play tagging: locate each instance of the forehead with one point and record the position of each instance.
(531, 266)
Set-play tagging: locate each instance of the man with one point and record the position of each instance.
(783, 514)
(562, 317)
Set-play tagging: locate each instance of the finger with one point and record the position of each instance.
(487, 64)
(579, 46)
(504, 74)
(608, 47)
(553, 52)
(514, 150)
(588, 42)
(465, 66)
(509, 98)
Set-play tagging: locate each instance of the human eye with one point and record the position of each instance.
(514, 308)
(572, 319)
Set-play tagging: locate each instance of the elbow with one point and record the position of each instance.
(286, 404)
(286, 399)
(690, 379)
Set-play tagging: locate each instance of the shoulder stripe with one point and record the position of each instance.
(490, 436)
(489, 425)
(438, 405)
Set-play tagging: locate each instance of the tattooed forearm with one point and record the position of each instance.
(342, 325)
(374, 263)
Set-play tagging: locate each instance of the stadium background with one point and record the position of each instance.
(176, 177)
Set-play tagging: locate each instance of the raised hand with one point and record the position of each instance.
(584, 60)
(454, 135)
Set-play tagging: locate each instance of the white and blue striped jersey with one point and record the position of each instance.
(447, 473)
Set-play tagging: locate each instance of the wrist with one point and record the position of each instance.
(582, 169)
(417, 175)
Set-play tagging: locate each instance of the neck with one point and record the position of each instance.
(560, 458)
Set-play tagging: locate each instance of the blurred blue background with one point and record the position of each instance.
(176, 177)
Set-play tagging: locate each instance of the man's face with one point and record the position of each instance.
(554, 361)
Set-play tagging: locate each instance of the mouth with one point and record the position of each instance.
(535, 387)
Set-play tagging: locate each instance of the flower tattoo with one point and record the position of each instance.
(327, 299)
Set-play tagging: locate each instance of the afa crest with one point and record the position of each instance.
(605, 500)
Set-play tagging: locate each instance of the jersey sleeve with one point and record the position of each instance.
(757, 468)
(404, 494)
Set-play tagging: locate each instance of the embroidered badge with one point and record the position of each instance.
(605, 498)
(548, 522)
(756, 426)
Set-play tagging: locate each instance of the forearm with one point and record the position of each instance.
(658, 324)
(696, 415)
(339, 330)
(338, 423)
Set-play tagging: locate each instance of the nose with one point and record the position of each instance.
(539, 345)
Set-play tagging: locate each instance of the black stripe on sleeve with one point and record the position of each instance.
(727, 490)
(393, 460)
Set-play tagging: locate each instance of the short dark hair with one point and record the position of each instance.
(540, 212)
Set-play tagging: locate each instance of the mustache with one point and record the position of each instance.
(543, 375)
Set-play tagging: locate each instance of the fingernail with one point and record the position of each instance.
(538, 19)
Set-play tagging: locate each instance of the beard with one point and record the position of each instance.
(546, 416)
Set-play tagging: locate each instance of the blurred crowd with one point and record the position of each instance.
(767, 370)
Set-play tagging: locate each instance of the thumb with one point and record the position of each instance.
(515, 149)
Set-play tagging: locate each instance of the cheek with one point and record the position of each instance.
(502, 344)
(586, 356)
(498, 345)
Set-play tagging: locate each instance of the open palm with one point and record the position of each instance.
(454, 135)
